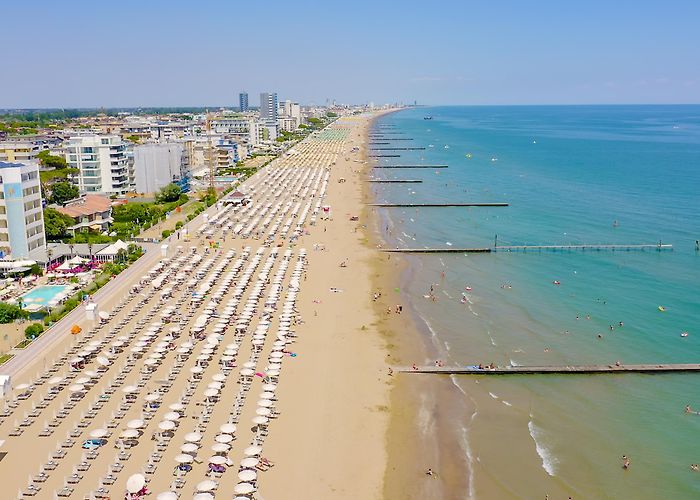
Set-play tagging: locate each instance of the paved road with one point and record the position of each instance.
(119, 286)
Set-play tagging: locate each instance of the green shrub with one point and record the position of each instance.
(33, 331)
(166, 233)
(179, 224)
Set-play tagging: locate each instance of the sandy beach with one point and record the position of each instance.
(328, 408)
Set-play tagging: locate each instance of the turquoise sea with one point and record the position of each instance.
(572, 175)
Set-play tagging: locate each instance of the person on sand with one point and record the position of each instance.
(414, 366)
(430, 472)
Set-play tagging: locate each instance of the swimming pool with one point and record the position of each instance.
(41, 296)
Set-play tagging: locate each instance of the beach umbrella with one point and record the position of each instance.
(167, 495)
(55, 380)
(210, 393)
(269, 387)
(196, 369)
(249, 462)
(247, 372)
(176, 407)
(193, 437)
(22, 387)
(76, 388)
(223, 438)
(203, 496)
(244, 488)
(220, 447)
(79, 380)
(130, 434)
(206, 485)
(265, 403)
(154, 396)
(75, 329)
(267, 395)
(98, 433)
(217, 460)
(166, 425)
(189, 448)
(251, 451)
(135, 483)
(264, 412)
(215, 385)
(172, 415)
(218, 377)
(228, 428)
(184, 458)
(137, 423)
(260, 420)
(247, 475)
(130, 389)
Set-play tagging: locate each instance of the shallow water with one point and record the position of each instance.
(572, 175)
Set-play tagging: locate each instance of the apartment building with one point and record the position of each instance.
(102, 163)
(21, 212)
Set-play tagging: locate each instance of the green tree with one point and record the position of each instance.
(50, 161)
(56, 223)
(61, 192)
(33, 331)
(10, 312)
(134, 138)
(169, 193)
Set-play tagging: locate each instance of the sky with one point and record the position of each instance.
(204, 52)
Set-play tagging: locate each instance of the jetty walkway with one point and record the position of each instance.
(544, 370)
(523, 248)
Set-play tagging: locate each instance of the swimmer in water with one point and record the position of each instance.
(625, 462)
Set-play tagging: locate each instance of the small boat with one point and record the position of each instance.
(662, 309)
(684, 334)
(494, 158)
(468, 288)
(427, 117)
(468, 155)
(447, 146)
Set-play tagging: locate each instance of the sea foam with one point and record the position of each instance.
(549, 461)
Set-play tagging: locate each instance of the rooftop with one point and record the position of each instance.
(86, 205)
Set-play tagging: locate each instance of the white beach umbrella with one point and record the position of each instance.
(220, 447)
(152, 397)
(167, 495)
(98, 433)
(228, 428)
(247, 475)
(267, 395)
(218, 377)
(269, 387)
(76, 388)
(129, 434)
(193, 437)
(137, 423)
(203, 496)
(55, 380)
(249, 462)
(101, 360)
(196, 369)
(265, 403)
(252, 451)
(189, 448)
(223, 438)
(130, 389)
(184, 458)
(176, 407)
(265, 412)
(210, 393)
(206, 485)
(247, 372)
(244, 488)
(173, 416)
(260, 420)
(135, 483)
(217, 460)
(166, 425)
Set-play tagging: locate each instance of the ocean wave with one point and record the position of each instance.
(453, 378)
(472, 310)
(493, 342)
(513, 363)
(493, 395)
(506, 402)
(549, 461)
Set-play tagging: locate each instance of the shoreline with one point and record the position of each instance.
(419, 424)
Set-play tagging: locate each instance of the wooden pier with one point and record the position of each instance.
(410, 166)
(523, 248)
(399, 149)
(384, 156)
(431, 205)
(377, 138)
(551, 370)
(408, 181)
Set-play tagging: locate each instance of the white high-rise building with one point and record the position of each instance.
(268, 107)
(289, 109)
(21, 212)
(102, 163)
(157, 165)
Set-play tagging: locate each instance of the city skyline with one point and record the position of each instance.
(460, 53)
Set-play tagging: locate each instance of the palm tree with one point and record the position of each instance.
(90, 250)
(71, 246)
(49, 254)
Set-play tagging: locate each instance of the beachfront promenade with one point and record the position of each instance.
(179, 387)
